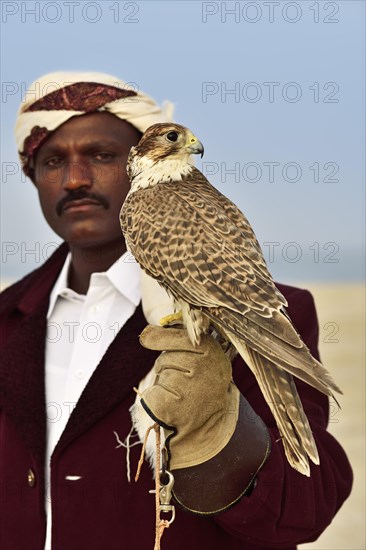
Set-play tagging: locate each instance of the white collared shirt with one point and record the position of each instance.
(80, 329)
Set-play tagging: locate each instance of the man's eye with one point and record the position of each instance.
(172, 136)
(53, 161)
(104, 156)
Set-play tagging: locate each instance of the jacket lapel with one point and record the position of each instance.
(22, 384)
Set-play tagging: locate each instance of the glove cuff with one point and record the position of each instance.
(215, 485)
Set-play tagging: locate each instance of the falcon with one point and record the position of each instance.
(202, 250)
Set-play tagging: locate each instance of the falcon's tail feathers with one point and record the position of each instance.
(281, 395)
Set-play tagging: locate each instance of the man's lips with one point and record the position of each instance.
(81, 205)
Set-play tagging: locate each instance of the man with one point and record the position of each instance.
(71, 358)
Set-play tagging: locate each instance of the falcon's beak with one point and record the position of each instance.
(194, 146)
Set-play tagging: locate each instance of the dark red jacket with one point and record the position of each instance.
(102, 511)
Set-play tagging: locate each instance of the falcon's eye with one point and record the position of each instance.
(172, 136)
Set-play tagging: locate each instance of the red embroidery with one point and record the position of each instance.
(82, 96)
(37, 136)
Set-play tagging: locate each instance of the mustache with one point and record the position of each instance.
(78, 195)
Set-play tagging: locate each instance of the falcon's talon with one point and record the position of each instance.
(172, 319)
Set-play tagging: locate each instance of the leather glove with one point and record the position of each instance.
(193, 395)
(196, 402)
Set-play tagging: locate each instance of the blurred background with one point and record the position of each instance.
(275, 92)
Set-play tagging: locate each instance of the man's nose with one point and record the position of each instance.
(77, 174)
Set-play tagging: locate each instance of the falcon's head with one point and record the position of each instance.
(162, 154)
(168, 140)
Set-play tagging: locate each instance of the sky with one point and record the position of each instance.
(273, 89)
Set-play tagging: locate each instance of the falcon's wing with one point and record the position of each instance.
(182, 235)
(201, 186)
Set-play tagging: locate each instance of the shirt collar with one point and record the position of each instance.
(59, 286)
(124, 275)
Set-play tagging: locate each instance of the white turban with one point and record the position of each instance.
(50, 101)
(55, 98)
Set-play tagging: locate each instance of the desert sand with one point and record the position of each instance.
(341, 312)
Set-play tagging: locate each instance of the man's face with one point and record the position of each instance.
(80, 175)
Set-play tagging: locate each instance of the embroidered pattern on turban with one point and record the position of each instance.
(76, 94)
